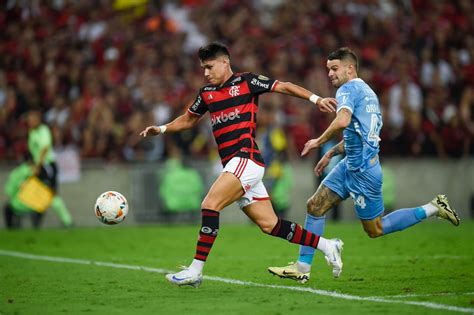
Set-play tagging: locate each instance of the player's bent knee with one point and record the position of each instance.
(211, 205)
(314, 209)
(374, 233)
(266, 226)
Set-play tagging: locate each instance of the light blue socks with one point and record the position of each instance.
(314, 225)
(401, 219)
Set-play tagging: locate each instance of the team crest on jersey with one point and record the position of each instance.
(234, 91)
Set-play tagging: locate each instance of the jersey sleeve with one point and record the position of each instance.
(198, 107)
(345, 99)
(259, 84)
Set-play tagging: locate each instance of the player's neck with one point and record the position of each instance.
(226, 77)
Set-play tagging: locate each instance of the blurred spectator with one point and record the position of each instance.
(467, 115)
(405, 100)
(137, 60)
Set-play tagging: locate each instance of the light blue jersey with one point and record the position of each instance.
(361, 137)
(359, 174)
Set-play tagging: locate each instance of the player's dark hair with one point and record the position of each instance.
(345, 53)
(212, 51)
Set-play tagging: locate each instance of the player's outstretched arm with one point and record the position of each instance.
(185, 121)
(327, 104)
(342, 120)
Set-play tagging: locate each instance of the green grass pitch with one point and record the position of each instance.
(428, 269)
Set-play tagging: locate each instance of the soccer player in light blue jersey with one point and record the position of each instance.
(359, 174)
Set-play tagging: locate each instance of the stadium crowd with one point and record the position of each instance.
(102, 70)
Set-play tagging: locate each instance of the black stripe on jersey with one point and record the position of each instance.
(243, 117)
(244, 143)
(231, 102)
(232, 135)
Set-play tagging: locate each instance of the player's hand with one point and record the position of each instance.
(150, 131)
(310, 145)
(327, 104)
(318, 170)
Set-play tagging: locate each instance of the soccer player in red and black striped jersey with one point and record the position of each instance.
(232, 102)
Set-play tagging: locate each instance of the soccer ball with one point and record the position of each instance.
(111, 207)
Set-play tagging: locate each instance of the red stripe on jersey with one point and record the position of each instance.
(225, 159)
(245, 124)
(231, 113)
(260, 199)
(225, 93)
(232, 142)
(240, 109)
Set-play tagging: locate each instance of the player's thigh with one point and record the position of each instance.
(262, 214)
(322, 200)
(366, 192)
(225, 190)
(373, 227)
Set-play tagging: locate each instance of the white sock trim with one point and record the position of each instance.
(197, 265)
(303, 267)
(430, 209)
(323, 245)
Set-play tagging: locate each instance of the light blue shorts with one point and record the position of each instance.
(364, 187)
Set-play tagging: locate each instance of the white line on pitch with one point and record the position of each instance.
(422, 295)
(240, 282)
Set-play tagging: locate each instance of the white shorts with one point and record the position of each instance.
(250, 175)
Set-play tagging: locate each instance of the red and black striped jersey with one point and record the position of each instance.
(233, 108)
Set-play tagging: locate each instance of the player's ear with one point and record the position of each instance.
(351, 69)
(226, 60)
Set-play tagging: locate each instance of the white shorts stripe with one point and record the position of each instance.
(240, 171)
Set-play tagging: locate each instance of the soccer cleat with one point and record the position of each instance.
(334, 257)
(290, 272)
(444, 210)
(185, 277)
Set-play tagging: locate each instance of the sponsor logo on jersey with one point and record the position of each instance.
(259, 83)
(262, 77)
(209, 88)
(222, 117)
(209, 97)
(234, 90)
(247, 187)
(196, 103)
